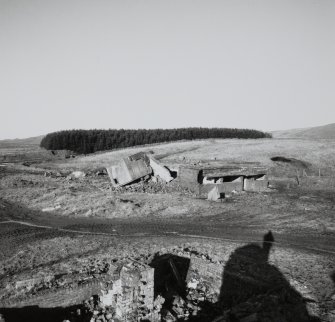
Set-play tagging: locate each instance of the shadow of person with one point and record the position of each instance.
(251, 286)
(170, 278)
(36, 314)
(332, 276)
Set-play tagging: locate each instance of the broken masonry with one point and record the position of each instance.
(135, 167)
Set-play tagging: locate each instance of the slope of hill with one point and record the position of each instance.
(19, 143)
(318, 132)
(21, 149)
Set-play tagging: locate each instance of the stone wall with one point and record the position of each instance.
(189, 178)
(194, 179)
(223, 187)
(128, 288)
(256, 184)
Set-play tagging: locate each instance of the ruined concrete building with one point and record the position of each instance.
(213, 180)
(221, 179)
(135, 167)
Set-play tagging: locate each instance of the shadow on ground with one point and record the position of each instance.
(36, 314)
(255, 290)
(170, 277)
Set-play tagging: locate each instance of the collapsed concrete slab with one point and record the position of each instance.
(135, 167)
(129, 169)
(159, 170)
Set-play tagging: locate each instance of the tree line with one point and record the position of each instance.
(90, 141)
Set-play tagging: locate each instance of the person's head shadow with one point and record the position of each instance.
(332, 276)
(268, 241)
(246, 272)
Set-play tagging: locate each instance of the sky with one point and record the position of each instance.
(70, 64)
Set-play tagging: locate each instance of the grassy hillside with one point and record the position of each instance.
(318, 132)
(20, 146)
(20, 150)
(319, 154)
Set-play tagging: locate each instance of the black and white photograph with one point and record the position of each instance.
(167, 160)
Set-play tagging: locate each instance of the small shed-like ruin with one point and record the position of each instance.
(225, 177)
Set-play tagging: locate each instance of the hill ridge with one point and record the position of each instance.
(317, 132)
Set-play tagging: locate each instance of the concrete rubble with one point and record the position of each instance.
(135, 167)
(212, 181)
(181, 284)
(159, 170)
(127, 296)
(153, 186)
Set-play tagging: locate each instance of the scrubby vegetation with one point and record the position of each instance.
(90, 141)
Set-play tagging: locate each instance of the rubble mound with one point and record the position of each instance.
(153, 186)
(176, 284)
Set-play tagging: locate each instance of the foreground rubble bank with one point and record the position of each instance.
(189, 283)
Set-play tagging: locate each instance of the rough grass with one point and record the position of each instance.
(20, 150)
(320, 153)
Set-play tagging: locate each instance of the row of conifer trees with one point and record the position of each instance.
(90, 141)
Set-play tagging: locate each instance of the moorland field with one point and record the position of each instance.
(52, 222)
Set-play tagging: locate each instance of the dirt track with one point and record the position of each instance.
(317, 244)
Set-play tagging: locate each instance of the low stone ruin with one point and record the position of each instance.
(217, 180)
(125, 292)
